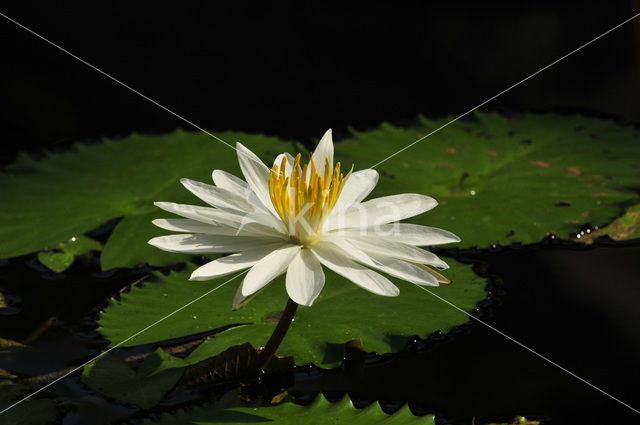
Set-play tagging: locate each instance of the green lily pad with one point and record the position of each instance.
(499, 180)
(66, 252)
(320, 411)
(65, 195)
(342, 313)
(114, 378)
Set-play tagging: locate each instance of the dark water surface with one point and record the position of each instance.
(579, 307)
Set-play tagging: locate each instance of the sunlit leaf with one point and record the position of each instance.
(65, 195)
(498, 179)
(342, 313)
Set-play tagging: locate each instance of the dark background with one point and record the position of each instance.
(296, 70)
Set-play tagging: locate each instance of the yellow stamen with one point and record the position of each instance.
(297, 198)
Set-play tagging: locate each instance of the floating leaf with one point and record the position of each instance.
(3, 302)
(320, 411)
(28, 412)
(498, 180)
(623, 228)
(231, 410)
(113, 377)
(65, 253)
(65, 195)
(501, 180)
(342, 313)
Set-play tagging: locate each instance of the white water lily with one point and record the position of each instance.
(297, 219)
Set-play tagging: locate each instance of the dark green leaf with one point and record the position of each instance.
(342, 313)
(319, 412)
(112, 377)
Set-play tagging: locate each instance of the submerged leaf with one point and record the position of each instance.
(28, 412)
(66, 252)
(6, 375)
(35, 412)
(56, 261)
(9, 344)
(113, 377)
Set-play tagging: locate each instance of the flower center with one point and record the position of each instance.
(305, 197)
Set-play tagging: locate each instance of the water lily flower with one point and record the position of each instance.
(296, 218)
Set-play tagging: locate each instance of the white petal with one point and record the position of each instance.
(356, 188)
(288, 167)
(379, 211)
(373, 245)
(408, 271)
(194, 212)
(238, 186)
(233, 203)
(188, 225)
(232, 263)
(323, 150)
(411, 234)
(405, 270)
(200, 244)
(254, 223)
(257, 175)
(269, 268)
(346, 248)
(230, 182)
(305, 278)
(360, 275)
(218, 197)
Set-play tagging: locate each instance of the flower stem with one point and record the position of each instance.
(278, 334)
